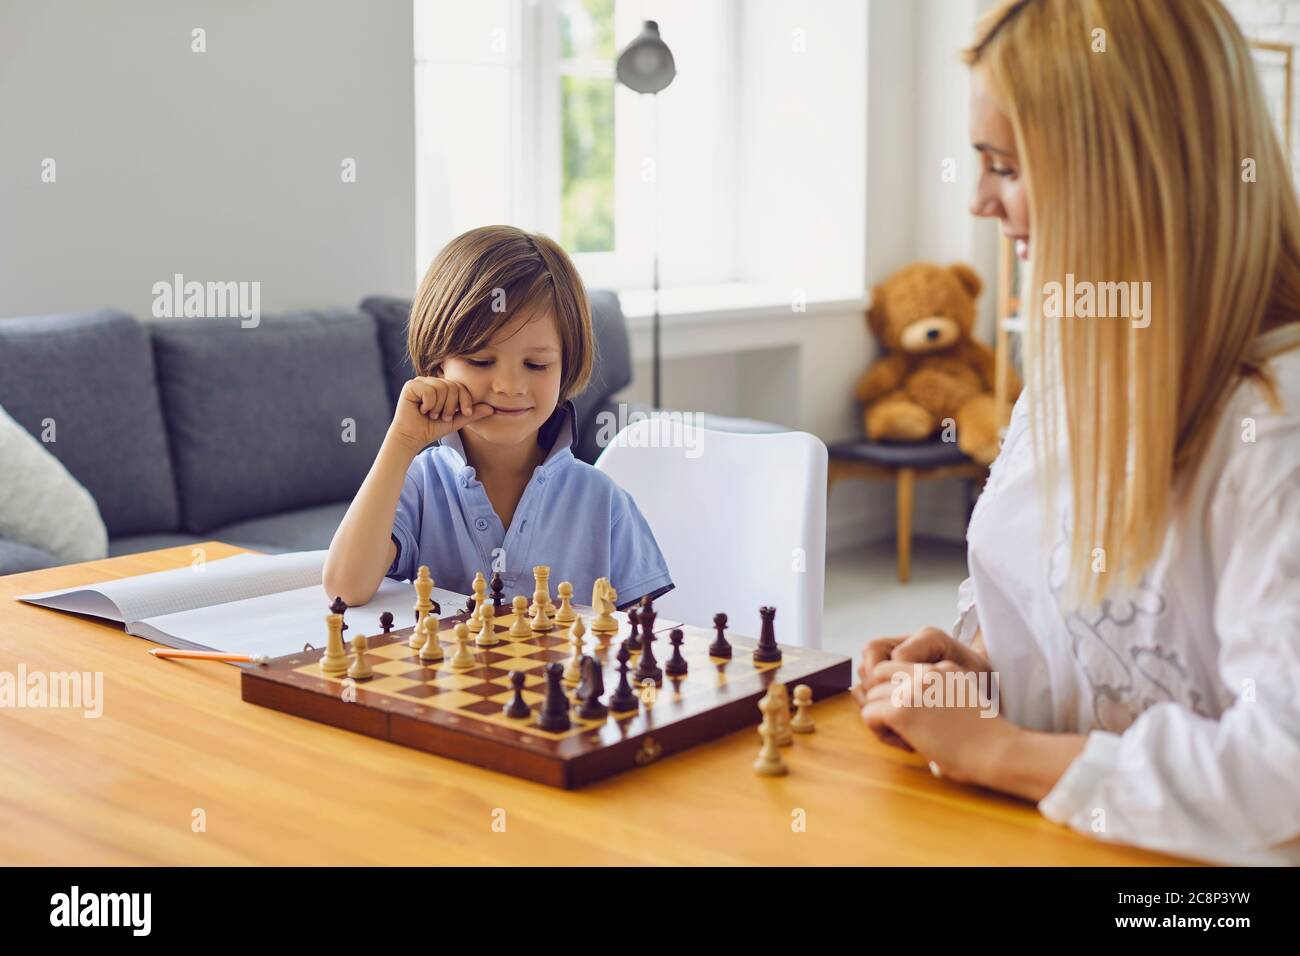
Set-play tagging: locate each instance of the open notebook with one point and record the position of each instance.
(245, 604)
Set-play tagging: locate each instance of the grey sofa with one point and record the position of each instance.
(186, 430)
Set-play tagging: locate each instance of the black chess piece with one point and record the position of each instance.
(647, 616)
(554, 715)
(648, 668)
(469, 605)
(340, 607)
(633, 641)
(767, 651)
(720, 647)
(518, 707)
(386, 621)
(676, 666)
(623, 700)
(593, 681)
(499, 605)
(434, 608)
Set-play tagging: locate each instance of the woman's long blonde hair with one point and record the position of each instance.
(1149, 156)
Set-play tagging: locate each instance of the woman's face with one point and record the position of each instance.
(1001, 192)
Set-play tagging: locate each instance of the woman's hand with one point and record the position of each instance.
(431, 408)
(885, 657)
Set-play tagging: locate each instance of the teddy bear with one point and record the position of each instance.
(932, 373)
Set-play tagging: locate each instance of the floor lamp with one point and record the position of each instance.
(646, 66)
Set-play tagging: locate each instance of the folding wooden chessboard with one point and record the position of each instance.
(460, 715)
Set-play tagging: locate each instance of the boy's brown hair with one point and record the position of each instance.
(484, 279)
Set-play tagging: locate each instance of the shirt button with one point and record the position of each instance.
(481, 523)
(464, 482)
(541, 479)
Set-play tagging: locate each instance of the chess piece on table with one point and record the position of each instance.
(475, 624)
(633, 640)
(603, 625)
(340, 608)
(519, 626)
(479, 588)
(648, 669)
(676, 666)
(386, 622)
(463, 659)
(647, 616)
(593, 688)
(802, 722)
(498, 593)
(767, 651)
(781, 714)
(539, 623)
(517, 708)
(720, 646)
(565, 615)
(335, 659)
(423, 605)
(360, 669)
(769, 762)
(623, 699)
(487, 635)
(554, 715)
(649, 693)
(573, 672)
(542, 595)
(431, 646)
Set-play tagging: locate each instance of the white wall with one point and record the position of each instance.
(223, 165)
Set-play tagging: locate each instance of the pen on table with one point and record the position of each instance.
(170, 653)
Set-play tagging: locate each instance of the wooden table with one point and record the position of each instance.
(175, 738)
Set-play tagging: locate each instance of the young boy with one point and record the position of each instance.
(500, 338)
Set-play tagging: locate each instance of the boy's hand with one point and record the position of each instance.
(432, 408)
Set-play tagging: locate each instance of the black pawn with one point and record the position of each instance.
(676, 666)
(649, 668)
(386, 621)
(469, 605)
(518, 707)
(623, 700)
(339, 607)
(633, 641)
(498, 594)
(720, 647)
(768, 651)
(554, 715)
(593, 682)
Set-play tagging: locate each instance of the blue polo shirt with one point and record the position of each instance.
(571, 517)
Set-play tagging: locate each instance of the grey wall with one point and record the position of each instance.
(223, 165)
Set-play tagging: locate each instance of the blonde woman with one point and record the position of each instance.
(1135, 559)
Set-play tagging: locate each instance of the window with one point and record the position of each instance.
(587, 125)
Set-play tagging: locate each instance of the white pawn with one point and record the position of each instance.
(769, 762)
(431, 648)
(463, 659)
(488, 633)
(802, 722)
(573, 673)
(565, 615)
(476, 619)
(540, 623)
(360, 668)
(519, 626)
(781, 714)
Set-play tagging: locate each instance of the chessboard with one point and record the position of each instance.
(461, 713)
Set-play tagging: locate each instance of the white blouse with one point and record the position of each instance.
(1188, 687)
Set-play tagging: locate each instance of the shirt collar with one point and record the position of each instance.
(559, 434)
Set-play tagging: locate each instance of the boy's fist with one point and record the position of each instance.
(432, 408)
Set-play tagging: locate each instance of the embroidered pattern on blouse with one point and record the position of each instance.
(1126, 670)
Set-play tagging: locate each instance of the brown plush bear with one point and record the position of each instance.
(931, 371)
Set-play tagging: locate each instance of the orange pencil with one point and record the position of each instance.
(167, 652)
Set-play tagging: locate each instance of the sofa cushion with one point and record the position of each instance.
(391, 316)
(16, 558)
(307, 529)
(91, 376)
(257, 417)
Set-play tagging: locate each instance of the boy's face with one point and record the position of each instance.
(518, 374)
